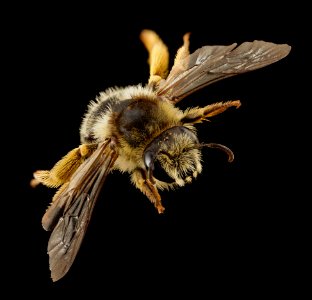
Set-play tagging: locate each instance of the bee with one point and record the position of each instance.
(139, 130)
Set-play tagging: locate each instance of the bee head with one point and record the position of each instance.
(173, 158)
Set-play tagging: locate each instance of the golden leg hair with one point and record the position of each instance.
(64, 168)
(158, 56)
(197, 115)
(147, 188)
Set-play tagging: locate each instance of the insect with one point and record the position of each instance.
(139, 130)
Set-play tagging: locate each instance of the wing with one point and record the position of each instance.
(212, 63)
(70, 212)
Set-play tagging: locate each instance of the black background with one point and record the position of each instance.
(231, 231)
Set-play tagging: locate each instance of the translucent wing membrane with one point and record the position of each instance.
(212, 63)
(70, 212)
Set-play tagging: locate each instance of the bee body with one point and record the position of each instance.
(134, 116)
(140, 130)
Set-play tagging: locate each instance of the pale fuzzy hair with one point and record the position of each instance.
(102, 128)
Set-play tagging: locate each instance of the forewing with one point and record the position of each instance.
(212, 63)
(73, 207)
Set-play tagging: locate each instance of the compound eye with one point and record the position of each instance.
(148, 159)
(160, 174)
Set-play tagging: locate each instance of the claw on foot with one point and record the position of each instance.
(160, 208)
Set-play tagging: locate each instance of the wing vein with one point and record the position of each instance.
(78, 199)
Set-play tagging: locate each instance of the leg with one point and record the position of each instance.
(184, 50)
(63, 169)
(197, 115)
(147, 188)
(158, 56)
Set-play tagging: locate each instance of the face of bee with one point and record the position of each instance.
(174, 158)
